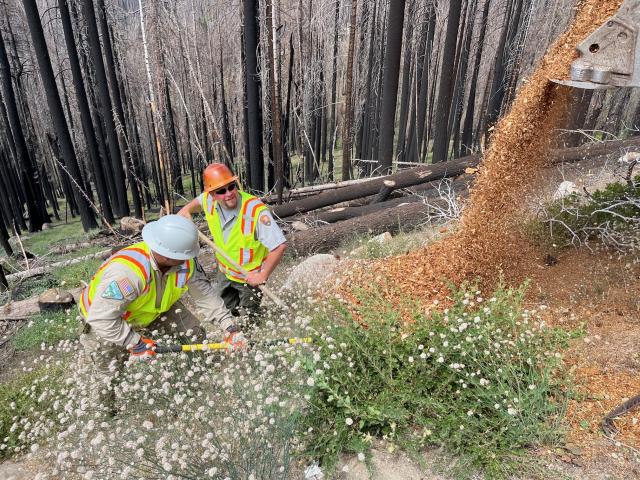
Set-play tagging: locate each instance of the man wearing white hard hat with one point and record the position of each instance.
(137, 290)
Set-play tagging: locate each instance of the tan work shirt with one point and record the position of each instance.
(105, 314)
(267, 232)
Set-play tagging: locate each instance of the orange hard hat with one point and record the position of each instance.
(217, 175)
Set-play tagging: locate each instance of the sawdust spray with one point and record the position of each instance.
(488, 243)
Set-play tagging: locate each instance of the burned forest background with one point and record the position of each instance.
(112, 108)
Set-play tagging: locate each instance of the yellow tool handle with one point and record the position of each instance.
(267, 291)
(197, 347)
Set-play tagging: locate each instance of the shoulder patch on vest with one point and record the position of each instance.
(113, 292)
(265, 220)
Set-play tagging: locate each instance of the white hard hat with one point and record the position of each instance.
(172, 236)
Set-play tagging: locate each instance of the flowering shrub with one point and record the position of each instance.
(26, 407)
(477, 379)
(199, 415)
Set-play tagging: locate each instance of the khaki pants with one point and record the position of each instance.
(106, 360)
(241, 299)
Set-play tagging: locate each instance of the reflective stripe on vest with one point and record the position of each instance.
(183, 276)
(241, 245)
(249, 210)
(145, 308)
(135, 257)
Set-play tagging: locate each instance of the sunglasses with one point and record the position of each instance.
(228, 188)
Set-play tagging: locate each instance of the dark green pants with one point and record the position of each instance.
(241, 299)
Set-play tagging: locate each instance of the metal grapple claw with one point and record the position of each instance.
(610, 56)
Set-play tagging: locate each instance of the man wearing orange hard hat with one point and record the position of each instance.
(244, 228)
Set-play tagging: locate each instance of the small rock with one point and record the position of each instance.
(46, 226)
(299, 226)
(565, 189)
(313, 472)
(310, 274)
(382, 238)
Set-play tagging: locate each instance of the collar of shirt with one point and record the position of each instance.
(155, 266)
(227, 216)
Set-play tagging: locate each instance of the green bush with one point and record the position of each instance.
(611, 215)
(479, 379)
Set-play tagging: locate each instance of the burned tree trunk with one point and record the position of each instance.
(57, 114)
(326, 238)
(391, 70)
(252, 85)
(105, 107)
(29, 178)
(347, 137)
(447, 80)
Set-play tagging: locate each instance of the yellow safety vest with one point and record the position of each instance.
(241, 245)
(144, 309)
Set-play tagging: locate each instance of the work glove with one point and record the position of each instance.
(236, 341)
(143, 350)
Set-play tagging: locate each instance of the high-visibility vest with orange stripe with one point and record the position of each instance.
(144, 309)
(241, 245)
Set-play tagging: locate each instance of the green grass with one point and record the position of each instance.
(47, 328)
(60, 233)
(72, 276)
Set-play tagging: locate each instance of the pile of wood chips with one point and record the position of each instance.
(488, 243)
(598, 391)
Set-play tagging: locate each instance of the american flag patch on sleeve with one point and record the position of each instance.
(125, 287)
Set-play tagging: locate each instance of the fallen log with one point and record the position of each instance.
(583, 152)
(23, 309)
(388, 186)
(72, 247)
(428, 173)
(327, 237)
(420, 192)
(33, 272)
(346, 213)
(403, 179)
(315, 189)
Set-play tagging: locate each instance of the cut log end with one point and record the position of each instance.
(55, 299)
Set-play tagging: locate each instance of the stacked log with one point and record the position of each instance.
(375, 215)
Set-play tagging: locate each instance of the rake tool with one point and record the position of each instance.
(199, 347)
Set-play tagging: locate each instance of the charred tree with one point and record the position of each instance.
(251, 37)
(274, 93)
(467, 127)
(406, 85)
(446, 84)
(334, 81)
(103, 100)
(85, 113)
(348, 100)
(28, 177)
(57, 114)
(391, 69)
